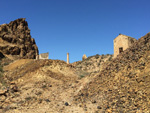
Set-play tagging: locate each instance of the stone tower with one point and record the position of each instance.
(121, 43)
(67, 58)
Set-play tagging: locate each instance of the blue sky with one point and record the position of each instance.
(78, 26)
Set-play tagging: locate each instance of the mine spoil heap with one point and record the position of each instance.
(98, 84)
(16, 41)
(123, 86)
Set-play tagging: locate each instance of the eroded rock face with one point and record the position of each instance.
(16, 41)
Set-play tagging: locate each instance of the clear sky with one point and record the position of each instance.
(78, 26)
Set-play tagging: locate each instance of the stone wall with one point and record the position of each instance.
(43, 56)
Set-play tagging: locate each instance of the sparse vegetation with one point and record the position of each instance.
(28, 98)
(2, 80)
(1, 75)
(97, 56)
(1, 68)
(81, 76)
(44, 86)
(92, 64)
(6, 63)
(110, 58)
(39, 93)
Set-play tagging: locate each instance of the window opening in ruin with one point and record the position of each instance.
(120, 49)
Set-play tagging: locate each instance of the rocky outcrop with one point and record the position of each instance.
(16, 41)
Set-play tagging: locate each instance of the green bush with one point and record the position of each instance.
(28, 98)
(1, 76)
(2, 81)
(110, 58)
(97, 56)
(81, 76)
(6, 63)
(1, 72)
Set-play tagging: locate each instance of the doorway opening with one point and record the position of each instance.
(120, 49)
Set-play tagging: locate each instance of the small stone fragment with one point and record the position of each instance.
(98, 107)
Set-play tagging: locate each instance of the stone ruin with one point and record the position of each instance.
(16, 42)
(84, 57)
(121, 43)
(43, 56)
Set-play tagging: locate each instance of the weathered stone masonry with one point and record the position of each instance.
(121, 43)
(43, 56)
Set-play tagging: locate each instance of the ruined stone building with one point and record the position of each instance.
(121, 43)
(43, 56)
(84, 57)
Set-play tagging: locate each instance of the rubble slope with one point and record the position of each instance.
(92, 64)
(123, 85)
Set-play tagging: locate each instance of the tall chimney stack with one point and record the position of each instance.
(67, 58)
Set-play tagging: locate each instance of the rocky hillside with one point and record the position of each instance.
(16, 41)
(120, 85)
(34, 84)
(123, 85)
(92, 64)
